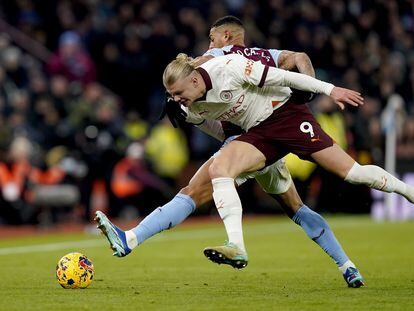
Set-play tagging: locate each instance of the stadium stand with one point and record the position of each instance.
(80, 81)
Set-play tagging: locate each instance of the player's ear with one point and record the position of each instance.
(226, 35)
(194, 81)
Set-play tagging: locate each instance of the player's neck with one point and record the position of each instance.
(236, 42)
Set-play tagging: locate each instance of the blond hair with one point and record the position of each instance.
(181, 67)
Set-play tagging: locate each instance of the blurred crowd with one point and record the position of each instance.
(79, 128)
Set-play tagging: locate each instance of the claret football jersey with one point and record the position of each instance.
(266, 57)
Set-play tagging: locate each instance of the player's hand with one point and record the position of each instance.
(343, 96)
(174, 112)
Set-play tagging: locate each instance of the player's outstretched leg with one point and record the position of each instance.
(377, 178)
(162, 218)
(353, 278)
(228, 254)
(115, 236)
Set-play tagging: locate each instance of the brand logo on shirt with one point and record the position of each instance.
(249, 67)
(233, 111)
(316, 139)
(306, 127)
(226, 96)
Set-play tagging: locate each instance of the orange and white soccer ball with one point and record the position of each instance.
(74, 270)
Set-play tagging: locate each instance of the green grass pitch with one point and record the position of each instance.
(169, 272)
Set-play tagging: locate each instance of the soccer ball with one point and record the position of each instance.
(74, 270)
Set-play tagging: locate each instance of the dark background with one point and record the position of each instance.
(79, 115)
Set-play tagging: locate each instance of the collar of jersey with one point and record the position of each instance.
(206, 77)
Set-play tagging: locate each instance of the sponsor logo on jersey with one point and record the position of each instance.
(233, 111)
(249, 67)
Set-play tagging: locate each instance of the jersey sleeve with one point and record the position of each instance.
(276, 76)
(244, 70)
(255, 73)
(192, 117)
(275, 55)
(212, 128)
(214, 52)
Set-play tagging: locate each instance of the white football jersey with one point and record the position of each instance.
(246, 92)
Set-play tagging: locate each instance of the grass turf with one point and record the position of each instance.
(286, 271)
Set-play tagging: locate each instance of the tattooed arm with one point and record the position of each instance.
(289, 60)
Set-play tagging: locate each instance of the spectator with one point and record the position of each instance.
(14, 174)
(405, 148)
(134, 185)
(367, 46)
(12, 59)
(167, 150)
(71, 60)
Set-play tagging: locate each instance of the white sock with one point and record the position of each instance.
(377, 178)
(229, 207)
(346, 265)
(131, 239)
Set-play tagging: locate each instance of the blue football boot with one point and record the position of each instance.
(353, 278)
(115, 236)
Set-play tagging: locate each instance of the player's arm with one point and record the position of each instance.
(212, 128)
(299, 61)
(220, 130)
(207, 56)
(201, 60)
(178, 115)
(257, 74)
(341, 96)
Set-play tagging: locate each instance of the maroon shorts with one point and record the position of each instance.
(291, 128)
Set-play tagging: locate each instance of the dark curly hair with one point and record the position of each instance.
(229, 19)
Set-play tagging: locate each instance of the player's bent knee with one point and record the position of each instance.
(186, 190)
(199, 194)
(217, 169)
(190, 191)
